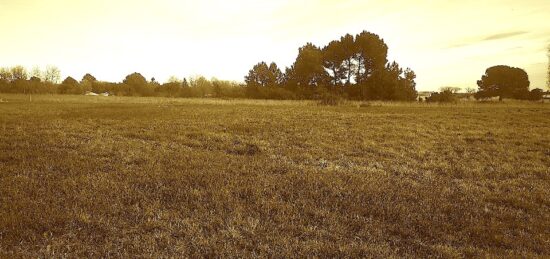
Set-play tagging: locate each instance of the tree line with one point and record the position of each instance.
(18, 80)
(353, 67)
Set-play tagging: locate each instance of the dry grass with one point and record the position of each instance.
(153, 177)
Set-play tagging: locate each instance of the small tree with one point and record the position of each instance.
(52, 74)
(5, 74)
(37, 73)
(19, 73)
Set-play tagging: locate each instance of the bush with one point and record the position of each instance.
(446, 96)
(264, 92)
(535, 94)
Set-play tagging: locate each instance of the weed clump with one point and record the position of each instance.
(330, 99)
(244, 149)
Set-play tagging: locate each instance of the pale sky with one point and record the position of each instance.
(447, 43)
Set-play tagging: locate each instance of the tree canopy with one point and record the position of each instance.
(135, 84)
(69, 86)
(88, 78)
(308, 68)
(355, 67)
(503, 81)
(263, 75)
(52, 74)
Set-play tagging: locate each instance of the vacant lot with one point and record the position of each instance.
(110, 177)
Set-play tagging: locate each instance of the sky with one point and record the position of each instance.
(447, 43)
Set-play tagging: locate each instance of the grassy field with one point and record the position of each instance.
(152, 177)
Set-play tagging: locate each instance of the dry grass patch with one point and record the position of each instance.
(155, 177)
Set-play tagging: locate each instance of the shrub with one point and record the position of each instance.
(446, 96)
(535, 94)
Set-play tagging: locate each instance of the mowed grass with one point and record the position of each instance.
(153, 177)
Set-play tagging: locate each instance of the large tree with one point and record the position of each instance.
(136, 84)
(371, 55)
(308, 69)
(69, 86)
(503, 81)
(392, 83)
(89, 78)
(135, 79)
